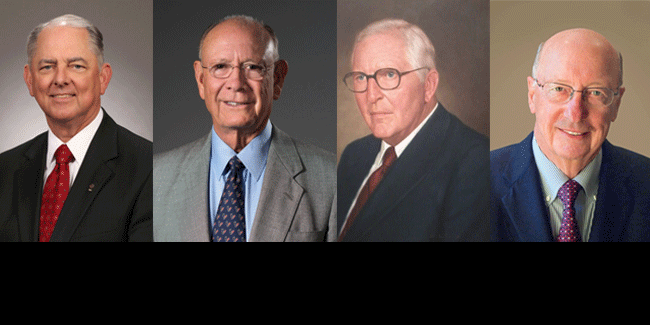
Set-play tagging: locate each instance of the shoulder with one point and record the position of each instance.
(133, 144)
(310, 155)
(11, 158)
(362, 147)
(180, 155)
(624, 163)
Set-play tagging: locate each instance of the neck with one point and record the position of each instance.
(65, 130)
(570, 167)
(237, 139)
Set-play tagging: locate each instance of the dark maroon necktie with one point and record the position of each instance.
(55, 192)
(569, 230)
(371, 184)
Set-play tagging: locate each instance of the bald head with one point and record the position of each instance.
(577, 45)
(263, 33)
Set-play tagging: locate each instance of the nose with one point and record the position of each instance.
(61, 77)
(374, 93)
(237, 80)
(576, 108)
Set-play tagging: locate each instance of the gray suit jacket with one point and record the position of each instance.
(297, 203)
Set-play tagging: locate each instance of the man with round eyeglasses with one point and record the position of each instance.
(565, 181)
(246, 180)
(422, 175)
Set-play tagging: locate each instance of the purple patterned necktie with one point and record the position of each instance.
(569, 230)
(230, 223)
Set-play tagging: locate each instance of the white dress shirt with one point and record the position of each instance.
(78, 145)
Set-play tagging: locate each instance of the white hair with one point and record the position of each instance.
(94, 35)
(419, 49)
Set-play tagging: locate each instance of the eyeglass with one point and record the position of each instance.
(387, 79)
(561, 93)
(252, 71)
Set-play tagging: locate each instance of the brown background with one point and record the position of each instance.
(459, 30)
(517, 28)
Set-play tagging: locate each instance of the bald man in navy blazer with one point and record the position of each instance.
(575, 91)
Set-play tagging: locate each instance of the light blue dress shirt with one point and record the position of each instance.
(553, 178)
(253, 156)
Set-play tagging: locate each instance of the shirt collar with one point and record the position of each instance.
(79, 143)
(253, 156)
(400, 147)
(553, 178)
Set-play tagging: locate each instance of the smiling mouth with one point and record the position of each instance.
(574, 133)
(235, 104)
(62, 96)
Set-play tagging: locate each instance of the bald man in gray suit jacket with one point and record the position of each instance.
(290, 187)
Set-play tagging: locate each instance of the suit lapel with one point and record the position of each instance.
(524, 202)
(351, 175)
(280, 193)
(28, 189)
(195, 217)
(405, 174)
(614, 202)
(96, 170)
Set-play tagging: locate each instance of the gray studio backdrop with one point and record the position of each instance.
(306, 30)
(127, 26)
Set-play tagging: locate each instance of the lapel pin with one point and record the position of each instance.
(90, 187)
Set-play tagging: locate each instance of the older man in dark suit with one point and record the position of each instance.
(565, 182)
(422, 175)
(86, 179)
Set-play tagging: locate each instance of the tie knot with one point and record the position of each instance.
(389, 157)
(63, 155)
(568, 192)
(235, 164)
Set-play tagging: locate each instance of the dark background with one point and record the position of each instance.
(306, 31)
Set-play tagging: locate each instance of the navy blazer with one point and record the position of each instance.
(517, 203)
(435, 191)
(110, 199)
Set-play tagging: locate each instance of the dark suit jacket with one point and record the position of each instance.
(110, 199)
(622, 204)
(435, 191)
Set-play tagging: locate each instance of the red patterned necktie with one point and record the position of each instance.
(569, 230)
(230, 223)
(371, 184)
(56, 191)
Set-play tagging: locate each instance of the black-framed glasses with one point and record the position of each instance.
(387, 79)
(252, 71)
(560, 93)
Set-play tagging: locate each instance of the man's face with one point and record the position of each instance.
(237, 103)
(573, 132)
(392, 114)
(64, 76)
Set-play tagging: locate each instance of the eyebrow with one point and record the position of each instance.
(70, 60)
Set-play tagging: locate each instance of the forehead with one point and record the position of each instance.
(234, 38)
(586, 62)
(63, 41)
(382, 50)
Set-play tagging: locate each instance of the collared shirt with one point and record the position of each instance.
(254, 157)
(553, 178)
(78, 145)
(399, 148)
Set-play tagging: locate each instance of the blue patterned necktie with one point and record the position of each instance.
(230, 223)
(569, 230)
